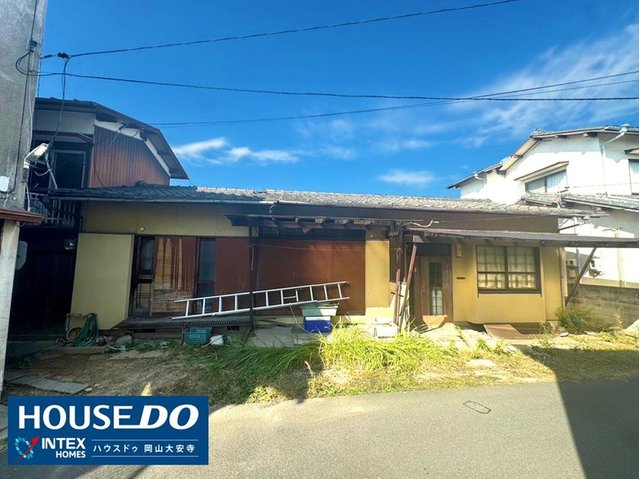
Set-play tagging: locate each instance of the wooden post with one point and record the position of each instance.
(396, 305)
(412, 264)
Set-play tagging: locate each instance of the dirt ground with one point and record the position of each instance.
(130, 373)
(186, 370)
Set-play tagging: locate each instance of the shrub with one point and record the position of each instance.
(574, 319)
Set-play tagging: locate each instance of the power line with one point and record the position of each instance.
(293, 30)
(340, 95)
(370, 110)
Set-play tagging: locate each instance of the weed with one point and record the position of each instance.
(351, 348)
(574, 319)
(546, 334)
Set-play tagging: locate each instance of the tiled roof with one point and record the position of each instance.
(620, 202)
(537, 135)
(171, 194)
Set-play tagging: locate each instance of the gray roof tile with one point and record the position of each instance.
(160, 194)
(620, 202)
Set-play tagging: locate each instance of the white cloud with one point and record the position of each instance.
(408, 178)
(197, 150)
(474, 123)
(333, 130)
(339, 152)
(233, 155)
(617, 53)
(395, 146)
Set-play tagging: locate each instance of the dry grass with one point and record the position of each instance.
(353, 363)
(349, 363)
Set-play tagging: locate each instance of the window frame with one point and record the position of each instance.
(632, 186)
(545, 178)
(507, 289)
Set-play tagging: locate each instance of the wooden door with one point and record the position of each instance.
(164, 271)
(435, 299)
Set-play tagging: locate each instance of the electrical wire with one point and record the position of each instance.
(292, 30)
(25, 98)
(343, 113)
(486, 97)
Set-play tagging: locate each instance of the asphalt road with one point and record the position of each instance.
(545, 430)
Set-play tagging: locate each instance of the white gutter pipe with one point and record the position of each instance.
(603, 153)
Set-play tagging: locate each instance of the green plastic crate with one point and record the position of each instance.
(197, 335)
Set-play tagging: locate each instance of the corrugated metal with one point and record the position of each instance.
(285, 262)
(119, 160)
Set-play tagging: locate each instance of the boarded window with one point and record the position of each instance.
(508, 268)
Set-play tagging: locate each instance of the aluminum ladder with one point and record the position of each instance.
(234, 303)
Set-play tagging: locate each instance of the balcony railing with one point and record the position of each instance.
(59, 213)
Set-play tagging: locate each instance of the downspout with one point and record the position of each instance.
(603, 154)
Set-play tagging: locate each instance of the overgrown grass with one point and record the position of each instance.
(351, 362)
(264, 362)
(351, 348)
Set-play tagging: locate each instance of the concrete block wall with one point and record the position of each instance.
(608, 304)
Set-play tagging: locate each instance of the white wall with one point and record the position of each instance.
(588, 171)
(619, 267)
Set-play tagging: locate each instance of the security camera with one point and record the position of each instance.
(34, 155)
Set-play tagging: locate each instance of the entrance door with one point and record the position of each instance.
(435, 297)
(165, 270)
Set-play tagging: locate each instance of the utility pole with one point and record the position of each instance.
(21, 38)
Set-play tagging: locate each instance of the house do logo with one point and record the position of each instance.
(109, 430)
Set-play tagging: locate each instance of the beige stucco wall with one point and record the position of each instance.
(377, 274)
(103, 277)
(103, 270)
(470, 306)
(159, 219)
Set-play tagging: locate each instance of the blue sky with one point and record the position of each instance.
(414, 151)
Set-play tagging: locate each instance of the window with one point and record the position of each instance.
(206, 267)
(547, 184)
(508, 268)
(633, 175)
(67, 170)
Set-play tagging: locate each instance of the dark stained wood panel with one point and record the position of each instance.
(233, 260)
(119, 160)
(288, 262)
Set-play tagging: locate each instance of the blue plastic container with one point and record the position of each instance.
(317, 325)
(197, 335)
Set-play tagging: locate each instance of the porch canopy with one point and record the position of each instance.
(523, 238)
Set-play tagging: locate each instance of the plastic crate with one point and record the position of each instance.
(197, 335)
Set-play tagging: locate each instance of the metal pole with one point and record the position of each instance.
(21, 38)
(584, 269)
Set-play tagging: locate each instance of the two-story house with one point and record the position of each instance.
(90, 145)
(590, 168)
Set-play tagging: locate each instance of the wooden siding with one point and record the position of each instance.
(284, 262)
(233, 260)
(119, 160)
